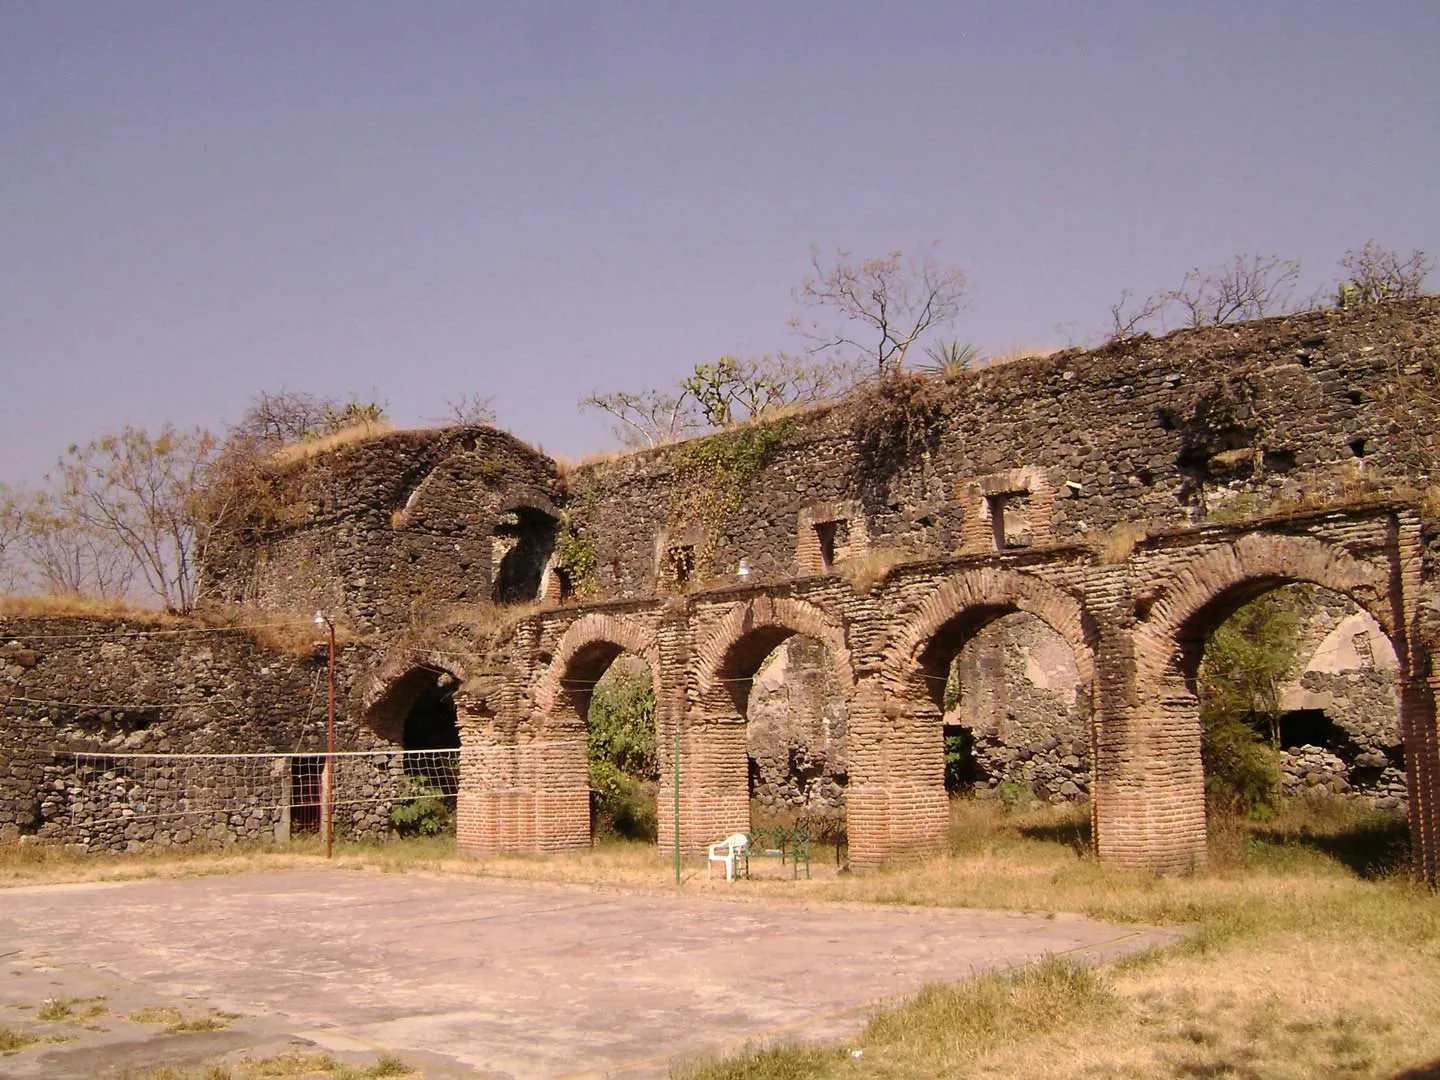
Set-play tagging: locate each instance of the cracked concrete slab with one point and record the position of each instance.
(479, 978)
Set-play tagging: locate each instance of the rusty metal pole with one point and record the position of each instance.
(329, 743)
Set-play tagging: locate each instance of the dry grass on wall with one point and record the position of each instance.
(293, 635)
(868, 569)
(293, 453)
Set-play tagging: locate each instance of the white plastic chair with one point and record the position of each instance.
(725, 852)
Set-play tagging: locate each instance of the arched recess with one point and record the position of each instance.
(906, 788)
(716, 761)
(559, 767)
(589, 645)
(1150, 781)
(416, 709)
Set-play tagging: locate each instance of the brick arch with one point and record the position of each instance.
(387, 695)
(979, 593)
(752, 630)
(599, 636)
(1245, 568)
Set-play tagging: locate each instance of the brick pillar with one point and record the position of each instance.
(896, 804)
(1149, 787)
(488, 781)
(530, 794)
(714, 765)
(1422, 771)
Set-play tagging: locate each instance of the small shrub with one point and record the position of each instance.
(421, 809)
(12, 1041)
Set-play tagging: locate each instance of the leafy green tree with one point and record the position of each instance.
(1247, 659)
(621, 746)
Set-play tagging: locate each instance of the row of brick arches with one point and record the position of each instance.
(1135, 630)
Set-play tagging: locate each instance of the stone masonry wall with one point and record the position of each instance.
(94, 710)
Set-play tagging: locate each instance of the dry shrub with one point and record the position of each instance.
(303, 451)
(1430, 501)
(866, 570)
(1117, 542)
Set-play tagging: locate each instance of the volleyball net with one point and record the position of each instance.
(133, 800)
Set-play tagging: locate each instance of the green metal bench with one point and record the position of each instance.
(790, 845)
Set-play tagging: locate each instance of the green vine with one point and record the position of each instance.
(712, 476)
(575, 557)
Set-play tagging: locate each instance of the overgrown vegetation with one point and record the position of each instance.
(422, 809)
(897, 416)
(624, 768)
(712, 476)
(1246, 659)
(575, 557)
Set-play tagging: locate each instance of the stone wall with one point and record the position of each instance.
(389, 529)
(101, 717)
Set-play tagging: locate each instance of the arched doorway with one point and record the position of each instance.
(417, 711)
(1016, 716)
(1296, 689)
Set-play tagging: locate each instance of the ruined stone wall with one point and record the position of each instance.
(96, 710)
(390, 528)
(795, 731)
(1021, 699)
(1200, 425)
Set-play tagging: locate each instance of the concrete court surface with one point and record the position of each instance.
(475, 978)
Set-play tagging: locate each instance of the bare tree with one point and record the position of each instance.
(67, 556)
(289, 416)
(145, 493)
(1126, 319)
(1377, 274)
(1249, 287)
(470, 410)
(12, 527)
(647, 418)
(883, 305)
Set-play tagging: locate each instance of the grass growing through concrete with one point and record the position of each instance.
(1308, 951)
(175, 1021)
(282, 1067)
(1309, 955)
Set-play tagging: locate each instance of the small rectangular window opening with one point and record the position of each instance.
(825, 532)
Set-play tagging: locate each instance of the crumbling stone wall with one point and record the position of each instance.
(1129, 497)
(795, 731)
(1022, 700)
(389, 529)
(86, 702)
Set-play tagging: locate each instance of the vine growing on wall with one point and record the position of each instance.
(712, 476)
(575, 557)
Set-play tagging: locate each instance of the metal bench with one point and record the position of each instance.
(790, 845)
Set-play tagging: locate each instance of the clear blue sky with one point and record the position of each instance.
(419, 200)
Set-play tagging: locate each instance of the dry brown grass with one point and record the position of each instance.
(1019, 352)
(294, 453)
(1430, 501)
(82, 607)
(1117, 542)
(295, 635)
(870, 567)
(1303, 955)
